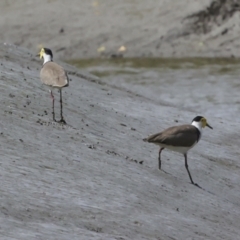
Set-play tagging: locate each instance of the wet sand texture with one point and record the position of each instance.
(154, 28)
(95, 178)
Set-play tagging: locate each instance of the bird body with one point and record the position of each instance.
(54, 75)
(179, 138)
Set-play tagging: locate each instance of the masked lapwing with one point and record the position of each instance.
(180, 139)
(54, 76)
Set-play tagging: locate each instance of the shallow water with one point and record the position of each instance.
(209, 87)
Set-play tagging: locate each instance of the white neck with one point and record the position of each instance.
(198, 125)
(46, 58)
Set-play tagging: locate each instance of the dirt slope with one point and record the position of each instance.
(85, 180)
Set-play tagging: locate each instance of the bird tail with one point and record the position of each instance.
(145, 140)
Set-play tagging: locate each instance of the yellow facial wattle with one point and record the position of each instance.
(41, 53)
(204, 122)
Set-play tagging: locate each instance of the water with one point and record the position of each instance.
(204, 86)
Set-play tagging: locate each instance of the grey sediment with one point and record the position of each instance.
(95, 178)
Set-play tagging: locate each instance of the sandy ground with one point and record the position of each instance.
(78, 29)
(87, 180)
(95, 178)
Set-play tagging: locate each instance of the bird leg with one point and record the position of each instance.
(62, 119)
(186, 165)
(53, 113)
(159, 158)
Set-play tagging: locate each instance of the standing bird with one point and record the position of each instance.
(54, 76)
(180, 139)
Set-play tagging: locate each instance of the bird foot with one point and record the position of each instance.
(164, 171)
(195, 184)
(62, 121)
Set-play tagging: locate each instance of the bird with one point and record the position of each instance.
(54, 76)
(180, 139)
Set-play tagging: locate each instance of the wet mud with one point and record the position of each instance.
(95, 178)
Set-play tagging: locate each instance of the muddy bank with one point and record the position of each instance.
(95, 178)
(88, 29)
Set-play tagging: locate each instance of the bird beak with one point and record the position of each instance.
(209, 126)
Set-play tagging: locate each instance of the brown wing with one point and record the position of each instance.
(182, 136)
(54, 75)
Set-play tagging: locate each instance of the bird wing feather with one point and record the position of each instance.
(182, 136)
(54, 75)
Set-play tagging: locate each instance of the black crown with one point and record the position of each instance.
(197, 119)
(48, 52)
